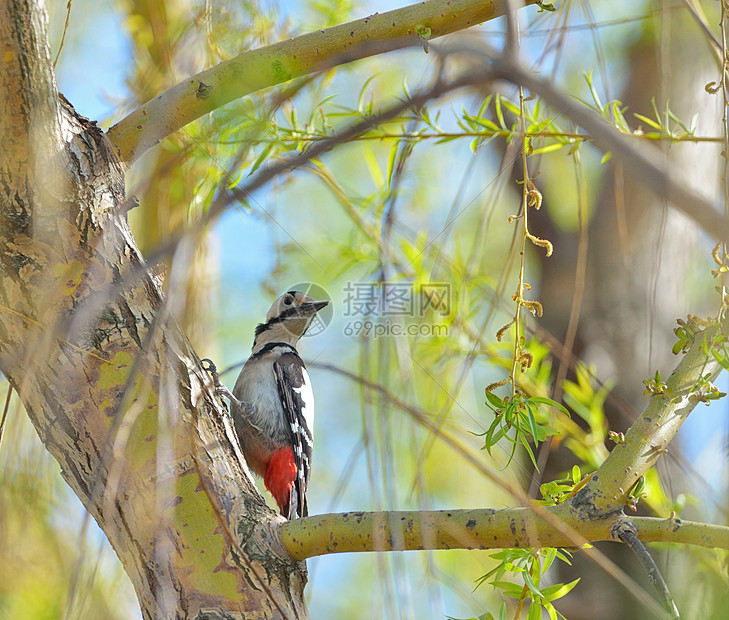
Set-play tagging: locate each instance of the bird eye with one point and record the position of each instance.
(288, 299)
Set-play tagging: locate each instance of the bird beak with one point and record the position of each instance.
(314, 306)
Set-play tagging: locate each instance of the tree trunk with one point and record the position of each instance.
(111, 384)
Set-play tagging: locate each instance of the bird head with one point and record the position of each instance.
(288, 319)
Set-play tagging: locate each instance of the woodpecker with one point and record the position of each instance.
(274, 418)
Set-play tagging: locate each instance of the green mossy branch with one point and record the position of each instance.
(650, 529)
(649, 436)
(479, 529)
(253, 70)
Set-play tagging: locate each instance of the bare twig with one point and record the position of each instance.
(627, 534)
(65, 30)
(5, 412)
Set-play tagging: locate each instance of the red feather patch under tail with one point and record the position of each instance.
(280, 477)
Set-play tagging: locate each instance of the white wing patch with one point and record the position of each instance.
(307, 397)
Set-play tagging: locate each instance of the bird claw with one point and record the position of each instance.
(220, 388)
(224, 391)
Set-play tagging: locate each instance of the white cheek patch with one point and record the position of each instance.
(307, 397)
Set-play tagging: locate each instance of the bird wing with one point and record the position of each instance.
(297, 400)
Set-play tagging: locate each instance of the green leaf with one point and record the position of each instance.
(576, 474)
(484, 122)
(391, 158)
(558, 590)
(550, 610)
(593, 92)
(720, 359)
(533, 588)
(564, 556)
(261, 158)
(648, 121)
(501, 433)
(535, 611)
(512, 107)
(512, 590)
(423, 31)
(549, 557)
(529, 450)
(547, 149)
(655, 110)
(499, 112)
(484, 106)
(543, 400)
(494, 401)
(532, 422)
(405, 88)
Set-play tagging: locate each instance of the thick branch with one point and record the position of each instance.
(120, 400)
(253, 70)
(651, 433)
(110, 383)
(479, 529)
(650, 529)
(27, 84)
(29, 115)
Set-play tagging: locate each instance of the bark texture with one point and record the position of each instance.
(111, 384)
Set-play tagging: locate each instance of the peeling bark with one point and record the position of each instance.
(110, 383)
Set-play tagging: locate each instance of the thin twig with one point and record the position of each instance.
(5, 412)
(627, 534)
(65, 30)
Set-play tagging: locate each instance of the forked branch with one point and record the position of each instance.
(254, 70)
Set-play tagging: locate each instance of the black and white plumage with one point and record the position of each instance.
(275, 419)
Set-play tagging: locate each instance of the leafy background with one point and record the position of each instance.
(426, 198)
